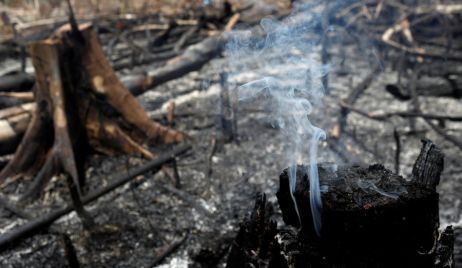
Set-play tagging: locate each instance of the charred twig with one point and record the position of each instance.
(163, 36)
(380, 116)
(185, 37)
(69, 251)
(415, 98)
(13, 209)
(325, 43)
(352, 98)
(42, 222)
(208, 160)
(170, 173)
(227, 114)
(457, 142)
(165, 251)
(176, 174)
(397, 150)
(188, 198)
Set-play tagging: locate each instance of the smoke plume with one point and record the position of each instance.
(288, 75)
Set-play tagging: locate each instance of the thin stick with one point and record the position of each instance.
(166, 251)
(382, 116)
(448, 137)
(398, 150)
(13, 209)
(353, 97)
(38, 224)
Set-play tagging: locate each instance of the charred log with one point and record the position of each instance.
(371, 217)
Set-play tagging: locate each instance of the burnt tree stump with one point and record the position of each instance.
(81, 108)
(371, 217)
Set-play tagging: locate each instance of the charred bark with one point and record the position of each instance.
(370, 217)
(81, 107)
(252, 245)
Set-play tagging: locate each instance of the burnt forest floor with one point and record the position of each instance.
(141, 220)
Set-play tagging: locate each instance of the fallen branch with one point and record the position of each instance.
(397, 150)
(380, 116)
(192, 59)
(352, 98)
(38, 224)
(457, 142)
(165, 251)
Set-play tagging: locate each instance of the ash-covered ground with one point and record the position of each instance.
(138, 222)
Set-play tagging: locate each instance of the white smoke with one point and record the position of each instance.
(289, 78)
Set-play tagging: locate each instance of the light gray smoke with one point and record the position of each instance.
(286, 73)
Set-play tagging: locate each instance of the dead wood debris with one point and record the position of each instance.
(37, 224)
(97, 130)
(422, 44)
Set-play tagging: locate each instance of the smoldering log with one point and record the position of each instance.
(371, 217)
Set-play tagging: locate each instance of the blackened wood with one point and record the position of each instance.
(69, 252)
(253, 242)
(371, 218)
(445, 249)
(168, 250)
(192, 59)
(290, 251)
(211, 252)
(6, 101)
(34, 226)
(429, 165)
(354, 95)
(17, 82)
(450, 86)
(226, 111)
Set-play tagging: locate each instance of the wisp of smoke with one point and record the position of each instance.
(289, 78)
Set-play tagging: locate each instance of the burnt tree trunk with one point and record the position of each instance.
(81, 107)
(371, 217)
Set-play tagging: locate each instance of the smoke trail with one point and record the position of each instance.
(288, 78)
